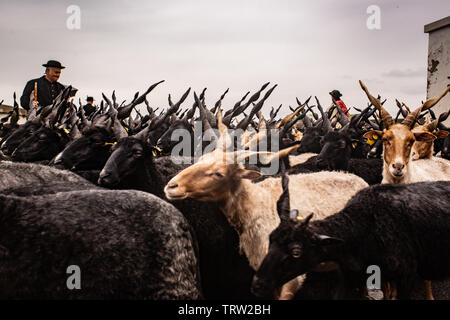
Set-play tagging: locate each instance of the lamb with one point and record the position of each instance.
(405, 237)
(128, 245)
(251, 208)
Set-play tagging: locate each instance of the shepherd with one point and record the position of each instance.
(336, 99)
(46, 88)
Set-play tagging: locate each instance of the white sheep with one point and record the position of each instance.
(398, 139)
(251, 207)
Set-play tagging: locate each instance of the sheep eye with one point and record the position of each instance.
(138, 154)
(219, 175)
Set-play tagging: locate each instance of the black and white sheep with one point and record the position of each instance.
(403, 229)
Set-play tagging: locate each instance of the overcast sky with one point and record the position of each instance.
(306, 47)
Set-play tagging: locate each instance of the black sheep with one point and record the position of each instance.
(127, 244)
(44, 144)
(88, 152)
(225, 272)
(16, 174)
(403, 229)
(336, 155)
(370, 170)
(10, 142)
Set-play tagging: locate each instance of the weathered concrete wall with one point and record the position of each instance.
(439, 63)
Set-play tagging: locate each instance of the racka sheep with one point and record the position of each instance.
(406, 236)
(127, 244)
(225, 273)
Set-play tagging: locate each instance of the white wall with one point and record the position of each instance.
(439, 68)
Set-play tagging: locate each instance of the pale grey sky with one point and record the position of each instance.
(306, 47)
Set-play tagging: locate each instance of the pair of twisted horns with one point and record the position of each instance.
(411, 118)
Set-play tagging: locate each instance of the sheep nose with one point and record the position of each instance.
(398, 166)
(104, 174)
(105, 179)
(258, 288)
(172, 185)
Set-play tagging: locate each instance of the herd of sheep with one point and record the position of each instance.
(111, 194)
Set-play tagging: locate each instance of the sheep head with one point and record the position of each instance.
(293, 251)
(217, 175)
(424, 149)
(398, 138)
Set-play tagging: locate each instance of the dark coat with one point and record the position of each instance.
(88, 109)
(46, 92)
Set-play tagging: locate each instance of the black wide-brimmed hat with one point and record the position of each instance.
(53, 64)
(335, 94)
(90, 99)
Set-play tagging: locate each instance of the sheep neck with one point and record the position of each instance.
(144, 178)
(253, 215)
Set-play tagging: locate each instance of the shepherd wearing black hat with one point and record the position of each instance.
(89, 108)
(336, 99)
(47, 87)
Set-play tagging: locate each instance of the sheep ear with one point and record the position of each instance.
(424, 136)
(249, 174)
(441, 134)
(304, 222)
(328, 241)
(371, 133)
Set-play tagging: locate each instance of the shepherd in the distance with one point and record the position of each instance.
(336, 99)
